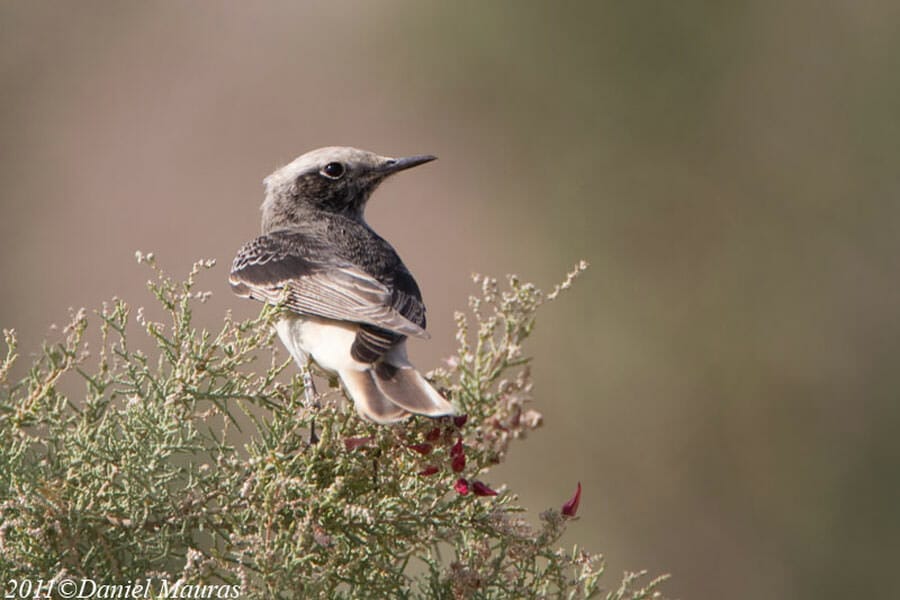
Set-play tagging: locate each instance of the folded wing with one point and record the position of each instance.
(290, 268)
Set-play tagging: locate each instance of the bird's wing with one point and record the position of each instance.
(374, 342)
(406, 298)
(280, 268)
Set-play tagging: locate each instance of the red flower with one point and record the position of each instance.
(460, 420)
(458, 463)
(457, 449)
(461, 486)
(423, 449)
(571, 507)
(354, 443)
(433, 435)
(479, 489)
(428, 471)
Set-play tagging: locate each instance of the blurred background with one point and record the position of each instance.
(724, 379)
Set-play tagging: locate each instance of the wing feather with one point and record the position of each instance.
(275, 268)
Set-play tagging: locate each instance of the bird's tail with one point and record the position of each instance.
(370, 402)
(386, 393)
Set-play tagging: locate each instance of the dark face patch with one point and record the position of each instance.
(346, 195)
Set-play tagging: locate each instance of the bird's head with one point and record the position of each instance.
(334, 179)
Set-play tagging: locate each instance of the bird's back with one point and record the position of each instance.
(356, 243)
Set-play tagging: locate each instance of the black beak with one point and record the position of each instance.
(401, 164)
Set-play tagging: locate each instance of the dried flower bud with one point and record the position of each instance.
(457, 448)
(461, 486)
(458, 463)
(321, 536)
(480, 489)
(571, 506)
(423, 449)
(358, 442)
(429, 470)
(532, 419)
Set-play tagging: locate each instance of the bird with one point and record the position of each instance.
(349, 302)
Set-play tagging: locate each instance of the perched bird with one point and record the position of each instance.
(351, 302)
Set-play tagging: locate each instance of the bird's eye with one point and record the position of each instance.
(333, 170)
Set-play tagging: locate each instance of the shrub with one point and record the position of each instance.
(149, 472)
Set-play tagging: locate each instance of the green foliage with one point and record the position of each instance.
(192, 464)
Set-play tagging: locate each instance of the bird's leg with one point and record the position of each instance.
(309, 387)
(311, 396)
(375, 467)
